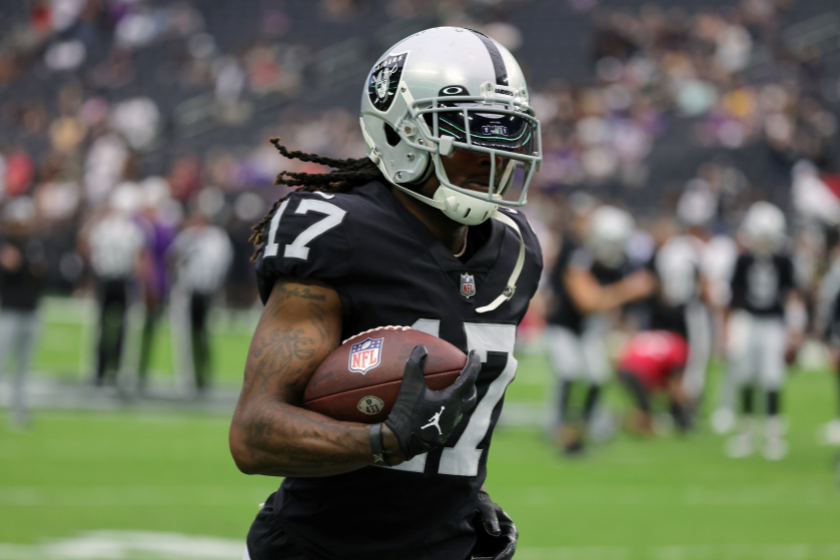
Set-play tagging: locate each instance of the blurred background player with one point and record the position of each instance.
(22, 270)
(827, 323)
(587, 282)
(654, 361)
(680, 303)
(160, 232)
(113, 242)
(202, 254)
(762, 285)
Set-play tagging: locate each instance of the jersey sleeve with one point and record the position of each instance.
(307, 238)
(533, 266)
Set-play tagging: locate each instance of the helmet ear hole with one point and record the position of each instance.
(391, 135)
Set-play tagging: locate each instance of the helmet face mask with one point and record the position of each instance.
(432, 117)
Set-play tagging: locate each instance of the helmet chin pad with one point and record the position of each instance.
(462, 208)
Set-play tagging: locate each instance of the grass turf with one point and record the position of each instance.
(671, 498)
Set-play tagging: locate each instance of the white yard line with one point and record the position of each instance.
(127, 545)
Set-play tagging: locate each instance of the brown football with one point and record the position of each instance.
(360, 381)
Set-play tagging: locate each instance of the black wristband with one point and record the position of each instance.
(376, 445)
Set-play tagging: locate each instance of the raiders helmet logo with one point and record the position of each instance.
(384, 79)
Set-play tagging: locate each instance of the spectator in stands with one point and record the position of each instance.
(22, 270)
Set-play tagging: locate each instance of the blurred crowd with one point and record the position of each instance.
(726, 73)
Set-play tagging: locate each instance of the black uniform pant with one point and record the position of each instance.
(112, 296)
(267, 540)
(199, 310)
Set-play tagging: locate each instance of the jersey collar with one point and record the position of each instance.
(482, 260)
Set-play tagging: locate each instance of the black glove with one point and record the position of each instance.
(496, 534)
(422, 419)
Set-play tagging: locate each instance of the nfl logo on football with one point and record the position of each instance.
(467, 285)
(365, 355)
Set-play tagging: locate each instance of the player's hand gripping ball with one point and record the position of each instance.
(495, 531)
(360, 380)
(423, 419)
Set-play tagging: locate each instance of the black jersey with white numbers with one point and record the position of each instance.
(761, 284)
(676, 266)
(389, 269)
(574, 256)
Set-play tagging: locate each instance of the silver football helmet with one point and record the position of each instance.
(609, 232)
(451, 88)
(763, 228)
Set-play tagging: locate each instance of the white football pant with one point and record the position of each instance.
(756, 351)
(699, 326)
(578, 357)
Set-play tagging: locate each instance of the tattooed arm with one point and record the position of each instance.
(271, 434)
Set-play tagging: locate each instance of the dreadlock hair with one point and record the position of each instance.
(348, 174)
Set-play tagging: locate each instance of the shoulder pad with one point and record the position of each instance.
(306, 238)
(529, 236)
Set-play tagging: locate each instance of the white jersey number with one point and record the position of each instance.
(463, 458)
(297, 249)
(762, 285)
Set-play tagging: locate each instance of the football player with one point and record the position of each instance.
(686, 281)
(588, 281)
(679, 307)
(654, 361)
(828, 324)
(417, 233)
(757, 338)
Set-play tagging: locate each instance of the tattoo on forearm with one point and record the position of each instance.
(278, 436)
(303, 293)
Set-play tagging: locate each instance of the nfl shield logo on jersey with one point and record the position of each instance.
(467, 285)
(365, 355)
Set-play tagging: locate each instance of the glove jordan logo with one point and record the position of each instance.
(435, 421)
(384, 80)
(365, 355)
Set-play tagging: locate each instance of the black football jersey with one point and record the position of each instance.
(676, 267)
(565, 313)
(760, 285)
(389, 269)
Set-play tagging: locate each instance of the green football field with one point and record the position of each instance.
(152, 482)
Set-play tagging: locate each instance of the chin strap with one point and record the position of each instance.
(510, 289)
